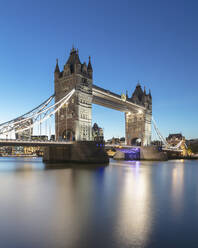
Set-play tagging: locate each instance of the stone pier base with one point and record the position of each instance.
(79, 152)
(141, 153)
(152, 153)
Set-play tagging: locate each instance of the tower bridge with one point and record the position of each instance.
(74, 94)
(71, 106)
(75, 120)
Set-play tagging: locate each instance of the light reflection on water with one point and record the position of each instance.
(127, 204)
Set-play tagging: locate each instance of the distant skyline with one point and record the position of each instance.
(154, 42)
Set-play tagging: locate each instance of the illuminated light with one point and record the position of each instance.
(131, 154)
(139, 111)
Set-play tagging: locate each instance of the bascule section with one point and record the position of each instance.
(138, 123)
(137, 109)
(73, 122)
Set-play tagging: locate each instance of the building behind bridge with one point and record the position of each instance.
(176, 138)
(97, 133)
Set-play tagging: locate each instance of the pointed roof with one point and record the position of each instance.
(84, 65)
(127, 94)
(57, 67)
(150, 93)
(95, 126)
(138, 92)
(73, 58)
(89, 67)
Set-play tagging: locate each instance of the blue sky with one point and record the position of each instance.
(153, 41)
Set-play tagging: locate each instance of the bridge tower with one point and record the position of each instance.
(74, 121)
(138, 124)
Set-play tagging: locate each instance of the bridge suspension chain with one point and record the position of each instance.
(34, 117)
(165, 143)
(36, 109)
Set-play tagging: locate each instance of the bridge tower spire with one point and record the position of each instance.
(89, 68)
(57, 70)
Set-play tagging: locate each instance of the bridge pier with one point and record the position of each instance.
(78, 152)
(140, 153)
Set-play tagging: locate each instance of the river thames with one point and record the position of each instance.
(126, 204)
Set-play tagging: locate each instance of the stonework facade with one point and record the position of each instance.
(74, 120)
(138, 123)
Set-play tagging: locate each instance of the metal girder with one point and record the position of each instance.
(109, 99)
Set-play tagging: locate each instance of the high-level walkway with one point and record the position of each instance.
(111, 100)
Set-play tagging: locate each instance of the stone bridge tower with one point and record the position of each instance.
(138, 124)
(74, 120)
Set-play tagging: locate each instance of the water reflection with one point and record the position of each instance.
(135, 203)
(178, 186)
(127, 204)
(20, 164)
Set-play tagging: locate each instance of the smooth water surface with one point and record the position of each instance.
(126, 204)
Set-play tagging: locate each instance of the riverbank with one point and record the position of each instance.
(181, 157)
(20, 155)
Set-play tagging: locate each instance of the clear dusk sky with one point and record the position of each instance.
(153, 41)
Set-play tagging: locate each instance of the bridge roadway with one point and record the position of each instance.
(13, 142)
(129, 147)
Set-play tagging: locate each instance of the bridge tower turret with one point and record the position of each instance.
(138, 124)
(74, 120)
(56, 71)
(89, 69)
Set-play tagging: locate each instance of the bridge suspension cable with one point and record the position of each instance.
(36, 109)
(158, 133)
(165, 143)
(35, 117)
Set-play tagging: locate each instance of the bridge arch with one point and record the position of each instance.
(68, 135)
(136, 141)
